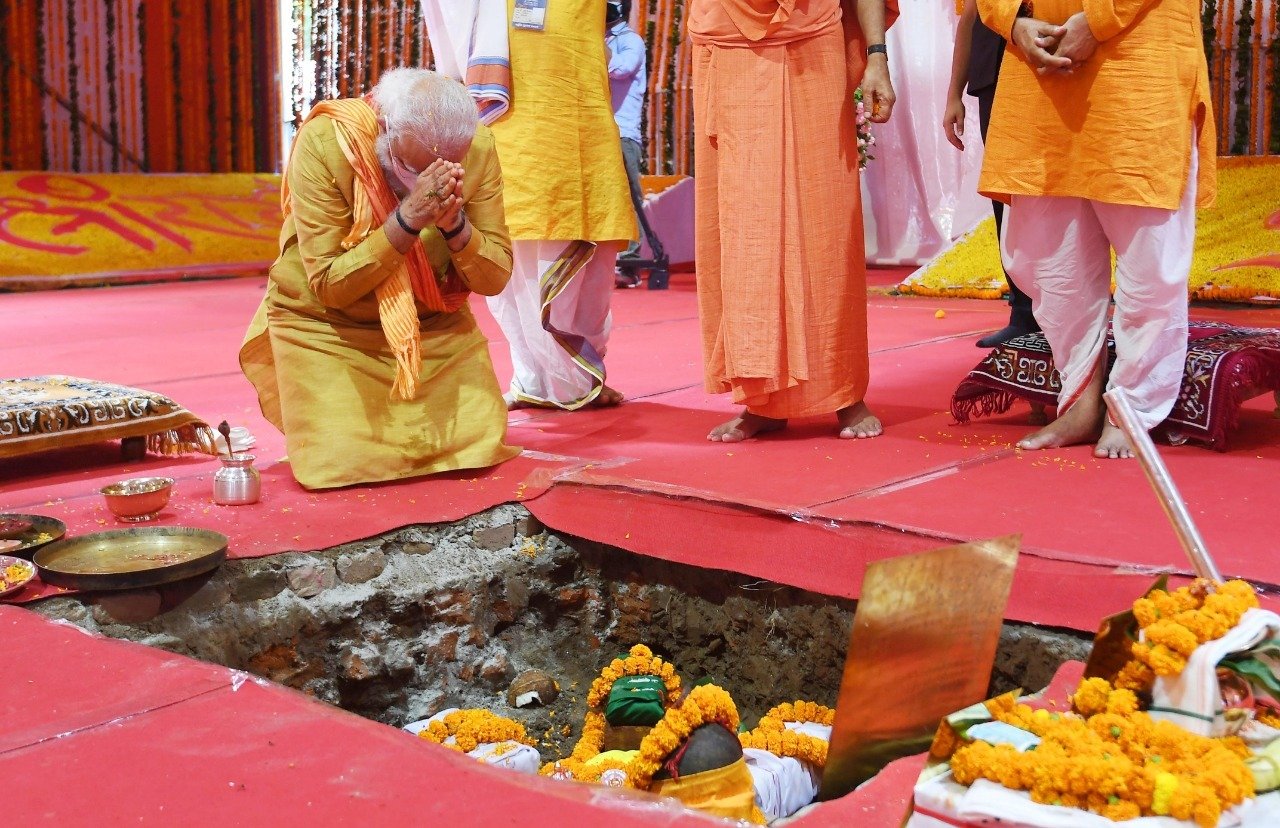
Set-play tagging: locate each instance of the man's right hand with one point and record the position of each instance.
(429, 198)
(1038, 40)
(953, 123)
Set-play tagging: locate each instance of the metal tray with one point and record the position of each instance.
(43, 531)
(129, 558)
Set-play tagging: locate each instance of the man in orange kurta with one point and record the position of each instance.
(779, 247)
(1102, 138)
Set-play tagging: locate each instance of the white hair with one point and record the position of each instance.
(435, 110)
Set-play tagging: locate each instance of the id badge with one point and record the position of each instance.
(529, 14)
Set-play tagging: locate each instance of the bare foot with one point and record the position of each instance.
(1113, 444)
(1081, 424)
(858, 423)
(607, 398)
(744, 427)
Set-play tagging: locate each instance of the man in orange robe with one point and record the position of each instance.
(1102, 138)
(779, 249)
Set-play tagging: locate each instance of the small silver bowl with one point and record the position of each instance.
(139, 499)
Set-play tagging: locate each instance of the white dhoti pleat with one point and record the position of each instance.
(1058, 250)
(564, 369)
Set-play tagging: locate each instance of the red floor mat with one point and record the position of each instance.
(924, 482)
(216, 747)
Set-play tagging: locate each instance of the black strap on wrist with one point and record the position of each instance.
(450, 235)
(877, 47)
(404, 225)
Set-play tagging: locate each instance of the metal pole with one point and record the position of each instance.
(1167, 492)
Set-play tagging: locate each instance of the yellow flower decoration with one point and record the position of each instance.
(640, 661)
(772, 734)
(1113, 760)
(705, 704)
(472, 728)
(1175, 623)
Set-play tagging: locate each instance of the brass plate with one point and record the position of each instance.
(43, 531)
(923, 643)
(128, 558)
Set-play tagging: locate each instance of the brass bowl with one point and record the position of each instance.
(138, 499)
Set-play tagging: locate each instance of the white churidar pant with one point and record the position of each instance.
(1058, 250)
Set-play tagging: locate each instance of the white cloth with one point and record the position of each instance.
(920, 194)
(241, 441)
(464, 35)
(943, 803)
(1058, 250)
(783, 784)
(1192, 700)
(511, 755)
(543, 369)
(817, 731)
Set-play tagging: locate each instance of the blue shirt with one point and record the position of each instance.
(626, 78)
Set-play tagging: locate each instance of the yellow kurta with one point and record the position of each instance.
(318, 357)
(558, 143)
(1120, 128)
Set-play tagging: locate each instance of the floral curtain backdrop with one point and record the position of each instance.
(192, 85)
(1244, 72)
(139, 85)
(342, 47)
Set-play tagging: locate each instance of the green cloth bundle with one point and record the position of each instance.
(635, 701)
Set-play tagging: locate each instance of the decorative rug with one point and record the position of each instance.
(51, 412)
(1226, 366)
(1237, 256)
(64, 229)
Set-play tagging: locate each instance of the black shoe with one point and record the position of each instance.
(625, 279)
(1003, 335)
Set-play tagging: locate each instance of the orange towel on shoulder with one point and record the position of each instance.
(356, 123)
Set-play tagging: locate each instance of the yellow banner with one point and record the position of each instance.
(59, 229)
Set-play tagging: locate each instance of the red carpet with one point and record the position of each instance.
(173, 741)
(799, 507)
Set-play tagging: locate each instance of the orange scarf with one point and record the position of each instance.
(356, 124)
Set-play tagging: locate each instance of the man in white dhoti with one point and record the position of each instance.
(566, 192)
(1102, 138)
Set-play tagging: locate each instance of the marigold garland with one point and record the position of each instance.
(640, 661)
(705, 704)
(472, 728)
(772, 734)
(594, 773)
(1175, 623)
(1117, 762)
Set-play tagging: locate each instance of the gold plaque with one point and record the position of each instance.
(924, 640)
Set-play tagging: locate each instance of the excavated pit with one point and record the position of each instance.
(402, 625)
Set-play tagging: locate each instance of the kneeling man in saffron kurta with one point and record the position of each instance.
(364, 351)
(782, 285)
(1102, 138)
